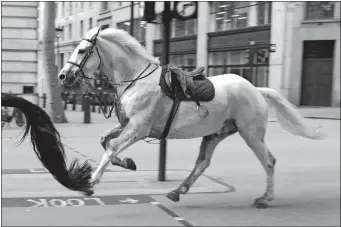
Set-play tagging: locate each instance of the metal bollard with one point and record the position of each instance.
(93, 95)
(87, 114)
(83, 96)
(66, 95)
(74, 101)
(100, 101)
(105, 102)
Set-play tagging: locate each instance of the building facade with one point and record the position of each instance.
(306, 64)
(235, 37)
(19, 48)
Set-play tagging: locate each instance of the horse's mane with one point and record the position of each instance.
(128, 42)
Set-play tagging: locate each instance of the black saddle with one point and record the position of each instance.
(180, 86)
(187, 86)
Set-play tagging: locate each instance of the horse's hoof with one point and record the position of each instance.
(130, 164)
(173, 195)
(89, 193)
(261, 204)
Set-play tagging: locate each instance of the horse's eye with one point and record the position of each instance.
(81, 51)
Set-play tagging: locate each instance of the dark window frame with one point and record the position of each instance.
(28, 89)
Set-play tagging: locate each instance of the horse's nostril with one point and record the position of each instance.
(62, 76)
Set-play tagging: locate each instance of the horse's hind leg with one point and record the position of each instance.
(126, 163)
(254, 137)
(207, 147)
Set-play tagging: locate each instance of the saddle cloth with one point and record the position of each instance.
(194, 86)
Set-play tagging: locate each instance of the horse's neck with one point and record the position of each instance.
(126, 70)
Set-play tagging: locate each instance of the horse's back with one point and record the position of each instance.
(246, 103)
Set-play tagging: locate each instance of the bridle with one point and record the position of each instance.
(86, 58)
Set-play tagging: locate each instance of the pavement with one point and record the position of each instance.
(307, 181)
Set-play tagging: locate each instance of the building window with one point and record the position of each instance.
(320, 10)
(70, 31)
(90, 23)
(139, 31)
(28, 89)
(61, 34)
(179, 28)
(104, 6)
(81, 29)
(184, 28)
(235, 15)
(263, 13)
(186, 62)
(105, 26)
(239, 62)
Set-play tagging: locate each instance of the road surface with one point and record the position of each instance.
(307, 183)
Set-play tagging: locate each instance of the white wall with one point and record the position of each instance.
(19, 46)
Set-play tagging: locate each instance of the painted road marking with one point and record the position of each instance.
(46, 202)
(129, 200)
(176, 217)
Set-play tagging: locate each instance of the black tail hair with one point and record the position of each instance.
(48, 147)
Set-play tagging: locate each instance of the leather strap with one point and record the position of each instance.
(174, 110)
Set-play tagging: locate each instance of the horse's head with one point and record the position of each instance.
(85, 60)
(106, 50)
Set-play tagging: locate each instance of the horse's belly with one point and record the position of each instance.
(187, 122)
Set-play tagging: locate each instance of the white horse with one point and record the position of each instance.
(143, 108)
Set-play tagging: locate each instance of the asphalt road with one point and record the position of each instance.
(307, 183)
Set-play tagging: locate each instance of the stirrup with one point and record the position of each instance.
(202, 111)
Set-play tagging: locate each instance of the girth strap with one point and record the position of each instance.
(174, 110)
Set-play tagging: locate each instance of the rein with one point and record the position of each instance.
(124, 81)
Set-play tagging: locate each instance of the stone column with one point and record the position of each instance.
(203, 25)
(277, 37)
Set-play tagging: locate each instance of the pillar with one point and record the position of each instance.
(277, 38)
(203, 25)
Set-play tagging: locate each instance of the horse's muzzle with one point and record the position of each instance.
(62, 77)
(67, 81)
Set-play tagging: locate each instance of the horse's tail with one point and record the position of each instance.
(289, 117)
(48, 147)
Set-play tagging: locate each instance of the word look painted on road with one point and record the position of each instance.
(65, 202)
(47, 202)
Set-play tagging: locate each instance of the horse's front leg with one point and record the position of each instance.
(126, 163)
(128, 136)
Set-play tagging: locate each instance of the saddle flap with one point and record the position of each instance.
(180, 77)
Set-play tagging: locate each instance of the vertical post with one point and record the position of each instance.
(74, 101)
(132, 19)
(167, 18)
(44, 100)
(93, 102)
(66, 95)
(83, 96)
(58, 57)
(105, 102)
(87, 115)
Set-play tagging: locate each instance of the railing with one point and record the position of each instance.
(88, 102)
